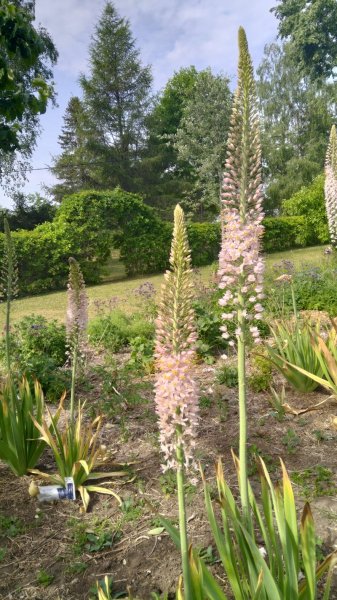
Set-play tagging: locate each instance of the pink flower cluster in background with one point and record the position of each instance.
(330, 187)
(77, 307)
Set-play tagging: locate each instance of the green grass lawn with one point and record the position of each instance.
(53, 306)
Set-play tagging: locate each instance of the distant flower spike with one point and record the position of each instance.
(241, 266)
(77, 308)
(8, 284)
(176, 389)
(76, 324)
(331, 185)
(9, 268)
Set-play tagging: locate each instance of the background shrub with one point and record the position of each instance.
(284, 233)
(116, 330)
(314, 288)
(38, 350)
(89, 224)
(309, 202)
(204, 240)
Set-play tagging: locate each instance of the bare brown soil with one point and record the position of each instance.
(48, 554)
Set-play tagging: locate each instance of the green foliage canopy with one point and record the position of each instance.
(311, 27)
(296, 116)
(164, 176)
(309, 202)
(201, 139)
(26, 55)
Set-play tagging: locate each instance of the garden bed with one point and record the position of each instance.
(51, 551)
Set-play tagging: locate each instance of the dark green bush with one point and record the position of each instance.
(116, 330)
(204, 240)
(88, 224)
(38, 350)
(309, 202)
(228, 375)
(283, 233)
(260, 377)
(314, 286)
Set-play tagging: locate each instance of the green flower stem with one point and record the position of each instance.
(183, 524)
(8, 313)
(73, 381)
(243, 421)
(294, 302)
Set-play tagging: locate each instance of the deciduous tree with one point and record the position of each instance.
(27, 55)
(201, 140)
(296, 117)
(311, 28)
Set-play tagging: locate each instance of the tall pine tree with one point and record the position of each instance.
(116, 101)
(72, 166)
(104, 133)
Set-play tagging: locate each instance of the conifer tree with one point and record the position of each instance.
(116, 101)
(72, 166)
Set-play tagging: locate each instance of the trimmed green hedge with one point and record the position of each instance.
(309, 202)
(284, 233)
(89, 223)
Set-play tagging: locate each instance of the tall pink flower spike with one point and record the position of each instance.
(77, 307)
(330, 188)
(175, 351)
(241, 266)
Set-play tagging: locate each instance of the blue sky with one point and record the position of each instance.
(170, 34)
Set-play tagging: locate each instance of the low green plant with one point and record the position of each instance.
(3, 553)
(10, 526)
(44, 578)
(228, 375)
(261, 375)
(254, 453)
(277, 401)
(77, 453)
(208, 321)
(205, 401)
(142, 354)
(97, 543)
(114, 331)
(315, 481)
(291, 441)
(94, 536)
(292, 347)
(131, 510)
(77, 568)
(263, 563)
(38, 351)
(20, 442)
(320, 435)
(168, 482)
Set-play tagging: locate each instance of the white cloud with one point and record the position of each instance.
(170, 34)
